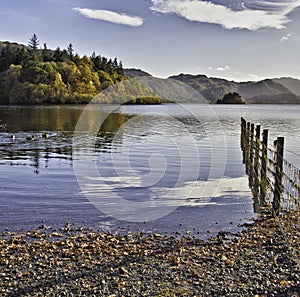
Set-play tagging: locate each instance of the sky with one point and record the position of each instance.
(237, 40)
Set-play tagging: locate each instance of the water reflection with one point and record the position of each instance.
(108, 129)
(31, 147)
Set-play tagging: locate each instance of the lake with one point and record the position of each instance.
(165, 168)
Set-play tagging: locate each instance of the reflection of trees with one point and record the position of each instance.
(36, 161)
(54, 118)
(40, 152)
(108, 129)
(113, 122)
(35, 156)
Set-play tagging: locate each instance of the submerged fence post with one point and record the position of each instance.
(278, 176)
(257, 149)
(244, 140)
(251, 142)
(255, 165)
(263, 171)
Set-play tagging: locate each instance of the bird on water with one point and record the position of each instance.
(32, 137)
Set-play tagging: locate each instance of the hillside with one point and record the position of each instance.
(212, 89)
(172, 90)
(132, 72)
(12, 44)
(34, 75)
(291, 83)
(267, 91)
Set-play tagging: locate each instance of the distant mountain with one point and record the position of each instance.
(283, 90)
(210, 88)
(171, 90)
(132, 72)
(291, 83)
(267, 91)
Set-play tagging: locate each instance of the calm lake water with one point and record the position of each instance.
(160, 168)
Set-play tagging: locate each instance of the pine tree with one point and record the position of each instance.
(46, 54)
(70, 51)
(57, 55)
(33, 43)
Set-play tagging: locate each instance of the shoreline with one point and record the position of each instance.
(263, 260)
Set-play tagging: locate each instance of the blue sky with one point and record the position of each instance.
(238, 40)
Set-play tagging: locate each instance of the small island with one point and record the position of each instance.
(231, 98)
(144, 101)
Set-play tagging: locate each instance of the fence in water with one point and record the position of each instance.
(271, 178)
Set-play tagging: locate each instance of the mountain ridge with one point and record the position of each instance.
(267, 91)
(284, 90)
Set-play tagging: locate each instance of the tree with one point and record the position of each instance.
(120, 70)
(70, 51)
(58, 55)
(46, 54)
(231, 98)
(33, 43)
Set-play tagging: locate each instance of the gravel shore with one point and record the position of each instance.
(263, 260)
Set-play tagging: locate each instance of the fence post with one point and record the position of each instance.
(263, 171)
(251, 142)
(244, 141)
(278, 177)
(257, 149)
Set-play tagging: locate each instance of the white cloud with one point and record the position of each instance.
(111, 16)
(225, 68)
(208, 12)
(254, 77)
(285, 37)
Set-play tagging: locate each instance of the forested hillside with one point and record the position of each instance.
(34, 75)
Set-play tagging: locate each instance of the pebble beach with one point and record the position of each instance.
(262, 260)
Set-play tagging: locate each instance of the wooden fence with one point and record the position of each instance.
(271, 178)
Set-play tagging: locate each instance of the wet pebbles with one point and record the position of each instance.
(262, 261)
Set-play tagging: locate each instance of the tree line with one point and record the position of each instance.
(37, 75)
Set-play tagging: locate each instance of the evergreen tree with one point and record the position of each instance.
(115, 64)
(120, 70)
(46, 54)
(70, 51)
(33, 43)
(58, 55)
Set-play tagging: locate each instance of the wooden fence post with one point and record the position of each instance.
(244, 140)
(278, 177)
(251, 142)
(257, 149)
(263, 171)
